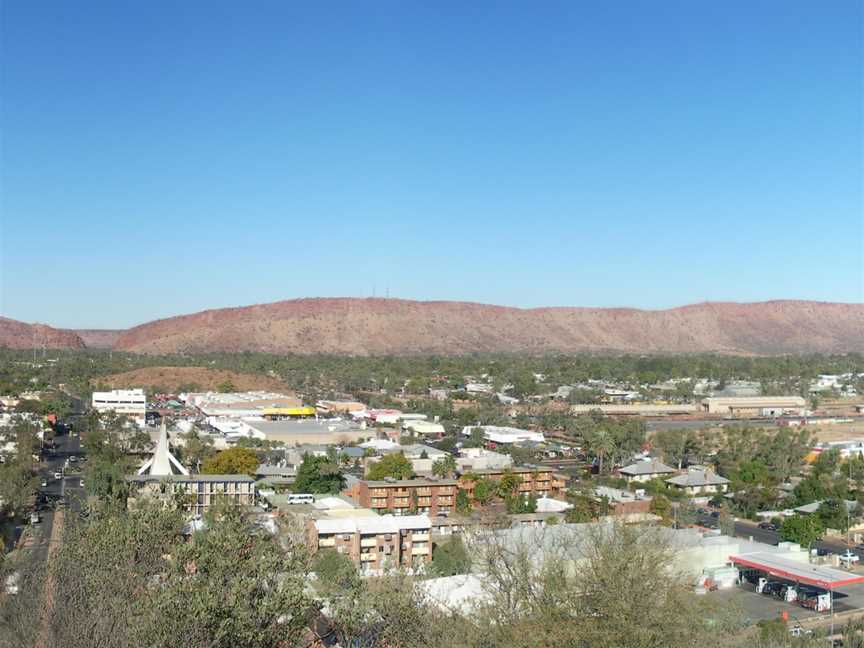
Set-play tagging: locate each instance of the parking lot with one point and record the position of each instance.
(760, 607)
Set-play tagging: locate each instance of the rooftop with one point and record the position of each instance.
(697, 478)
(652, 467)
(190, 478)
(373, 525)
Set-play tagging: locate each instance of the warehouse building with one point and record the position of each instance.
(308, 431)
(753, 406)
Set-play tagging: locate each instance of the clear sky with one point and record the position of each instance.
(160, 158)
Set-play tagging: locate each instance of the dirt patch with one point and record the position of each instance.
(839, 432)
(204, 379)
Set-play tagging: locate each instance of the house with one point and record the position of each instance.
(644, 471)
(694, 482)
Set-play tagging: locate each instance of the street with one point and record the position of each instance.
(747, 529)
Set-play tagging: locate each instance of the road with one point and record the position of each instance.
(67, 488)
(746, 529)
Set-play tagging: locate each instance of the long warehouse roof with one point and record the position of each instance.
(826, 577)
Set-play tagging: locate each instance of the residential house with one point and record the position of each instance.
(695, 482)
(645, 471)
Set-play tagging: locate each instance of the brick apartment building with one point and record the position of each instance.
(433, 496)
(375, 543)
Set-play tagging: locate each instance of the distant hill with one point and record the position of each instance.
(20, 335)
(203, 378)
(98, 338)
(395, 326)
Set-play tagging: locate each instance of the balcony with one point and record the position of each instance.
(369, 542)
(368, 557)
(419, 537)
(419, 551)
(326, 542)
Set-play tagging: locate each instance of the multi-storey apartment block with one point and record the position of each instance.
(375, 543)
(433, 496)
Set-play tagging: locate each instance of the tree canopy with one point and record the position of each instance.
(233, 461)
(318, 475)
(394, 465)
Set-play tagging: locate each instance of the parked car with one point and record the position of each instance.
(715, 514)
(12, 583)
(772, 588)
(34, 518)
(849, 558)
(58, 475)
(798, 631)
(44, 483)
(768, 526)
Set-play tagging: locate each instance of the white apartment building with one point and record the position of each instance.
(132, 402)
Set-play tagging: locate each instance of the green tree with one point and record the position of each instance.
(451, 558)
(233, 461)
(517, 503)
(477, 439)
(484, 490)
(444, 467)
(508, 484)
(803, 529)
(119, 576)
(463, 501)
(318, 475)
(335, 571)
(394, 465)
(226, 387)
(832, 514)
(672, 445)
(196, 449)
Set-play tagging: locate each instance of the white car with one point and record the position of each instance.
(12, 580)
(849, 558)
(58, 475)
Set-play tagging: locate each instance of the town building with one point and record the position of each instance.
(424, 428)
(644, 471)
(404, 496)
(432, 495)
(501, 435)
(695, 482)
(163, 477)
(237, 405)
(340, 407)
(636, 409)
(308, 431)
(375, 543)
(471, 459)
(755, 406)
(131, 402)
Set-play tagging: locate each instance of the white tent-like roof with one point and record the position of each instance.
(162, 462)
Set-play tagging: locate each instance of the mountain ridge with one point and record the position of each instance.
(379, 326)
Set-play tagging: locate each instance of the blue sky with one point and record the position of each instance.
(163, 158)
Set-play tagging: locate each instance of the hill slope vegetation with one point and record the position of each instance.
(397, 327)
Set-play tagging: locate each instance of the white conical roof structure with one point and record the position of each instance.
(162, 462)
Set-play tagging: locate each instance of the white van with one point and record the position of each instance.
(301, 498)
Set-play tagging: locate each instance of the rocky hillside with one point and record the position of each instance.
(20, 335)
(392, 326)
(98, 338)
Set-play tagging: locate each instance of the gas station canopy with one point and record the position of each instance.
(825, 577)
